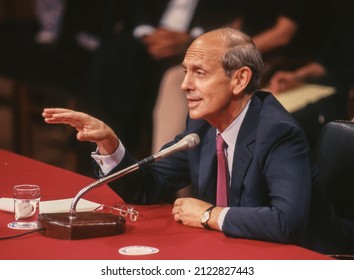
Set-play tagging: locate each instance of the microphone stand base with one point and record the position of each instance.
(81, 226)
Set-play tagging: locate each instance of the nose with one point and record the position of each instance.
(187, 83)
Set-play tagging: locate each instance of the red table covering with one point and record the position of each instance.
(155, 226)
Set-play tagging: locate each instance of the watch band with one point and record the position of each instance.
(205, 223)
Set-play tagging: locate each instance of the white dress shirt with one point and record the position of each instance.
(230, 135)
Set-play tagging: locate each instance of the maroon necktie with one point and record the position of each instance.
(222, 184)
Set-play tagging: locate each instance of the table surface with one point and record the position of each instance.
(155, 226)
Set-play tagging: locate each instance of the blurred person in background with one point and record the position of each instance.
(333, 66)
(49, 14)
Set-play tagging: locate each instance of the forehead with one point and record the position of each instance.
(205, 50)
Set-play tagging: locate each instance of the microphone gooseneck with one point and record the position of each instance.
(188, 142)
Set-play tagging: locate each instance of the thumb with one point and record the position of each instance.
(83, 136)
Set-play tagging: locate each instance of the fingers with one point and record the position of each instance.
(56, 110)
(50, 112)
(184, 212)
(89, 128)
(176, 214)
(178, 202)
(176, 209)
(64, 116)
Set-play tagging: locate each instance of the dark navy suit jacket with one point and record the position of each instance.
(271, 176)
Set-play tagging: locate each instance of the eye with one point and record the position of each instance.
(200, 72)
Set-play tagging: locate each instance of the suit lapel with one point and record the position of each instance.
(244, 150)
(207, 168)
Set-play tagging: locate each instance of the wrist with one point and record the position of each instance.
(205, 217)
(108, 146)
(209, 218)
(214, 218)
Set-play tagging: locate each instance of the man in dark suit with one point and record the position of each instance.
(268, 158)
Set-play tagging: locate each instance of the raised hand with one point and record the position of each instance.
(89, 128)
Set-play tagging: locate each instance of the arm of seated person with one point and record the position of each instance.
(277, 36)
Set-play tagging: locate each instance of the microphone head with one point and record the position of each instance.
(188, 142)
(192, 140)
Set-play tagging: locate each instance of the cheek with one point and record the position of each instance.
(211, 104)
(218, 98)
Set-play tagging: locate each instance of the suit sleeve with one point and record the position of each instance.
(153, 183)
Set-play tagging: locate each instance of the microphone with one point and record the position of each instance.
(188, 142)
(94, 224)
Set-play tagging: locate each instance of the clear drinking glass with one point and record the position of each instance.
(26, 206)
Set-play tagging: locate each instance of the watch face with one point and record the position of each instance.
(205, 217)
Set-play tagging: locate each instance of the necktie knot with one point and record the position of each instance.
(220, 143)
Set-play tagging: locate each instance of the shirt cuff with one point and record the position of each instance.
(108, 162)
(221, 217)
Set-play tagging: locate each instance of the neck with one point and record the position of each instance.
(232, 112)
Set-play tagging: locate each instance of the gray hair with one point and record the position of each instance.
(241, 52)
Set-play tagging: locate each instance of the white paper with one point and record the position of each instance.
(52, 206)
(299, 97)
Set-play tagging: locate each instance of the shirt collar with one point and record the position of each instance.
(232, 130)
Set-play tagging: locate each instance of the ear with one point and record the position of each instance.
(240, 79)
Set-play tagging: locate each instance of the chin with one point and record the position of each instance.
(194, 116)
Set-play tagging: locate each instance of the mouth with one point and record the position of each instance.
(193, 102)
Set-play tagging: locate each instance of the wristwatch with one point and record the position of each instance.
(204, 218)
